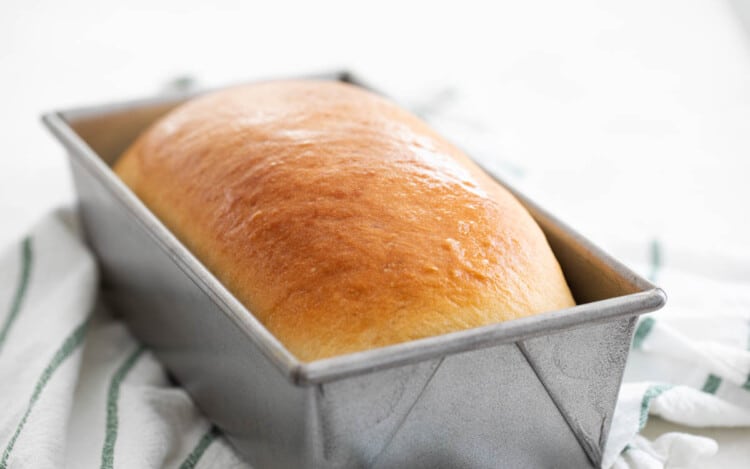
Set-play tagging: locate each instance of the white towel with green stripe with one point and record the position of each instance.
(76, 390)
(690, 362)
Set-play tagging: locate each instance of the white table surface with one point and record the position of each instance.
(639, 111)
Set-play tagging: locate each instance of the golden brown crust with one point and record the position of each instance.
(341, 221)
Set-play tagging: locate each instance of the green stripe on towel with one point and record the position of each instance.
(108, 451)
(652, 392)
(23, 283)
(747, 383)
(712, 384)
(71, 343)
(643, 330)
(656, 260)
(200, 448)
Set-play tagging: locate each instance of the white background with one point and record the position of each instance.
(637, 112)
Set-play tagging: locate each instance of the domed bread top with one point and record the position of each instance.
(341, 221)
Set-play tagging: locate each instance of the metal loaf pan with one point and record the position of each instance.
(534, 392)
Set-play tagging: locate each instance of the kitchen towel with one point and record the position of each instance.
(689, 364)
(76, 389)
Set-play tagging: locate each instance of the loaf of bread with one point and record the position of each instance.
(341, 221)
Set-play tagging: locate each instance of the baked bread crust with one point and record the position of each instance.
(341, 221)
